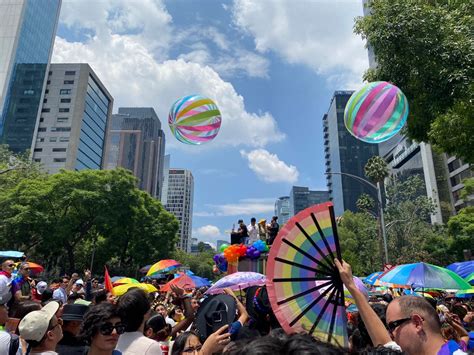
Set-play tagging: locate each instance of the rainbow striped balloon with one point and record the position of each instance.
(376, 112)
(194, 119)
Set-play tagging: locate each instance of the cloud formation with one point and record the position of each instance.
(131, 60)
(244, 207)
(269, 168)
(317, 34)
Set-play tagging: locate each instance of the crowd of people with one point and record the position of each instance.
(78, 315)
(248, 234)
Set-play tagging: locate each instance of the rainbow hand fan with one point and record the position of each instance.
(304, 286)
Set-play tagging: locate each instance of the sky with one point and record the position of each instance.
(271, 67)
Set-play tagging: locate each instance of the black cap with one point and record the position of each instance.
(157, 323)
(74, 311)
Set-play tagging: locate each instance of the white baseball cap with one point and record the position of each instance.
(79, 282)
(41, 287)
(35, 324)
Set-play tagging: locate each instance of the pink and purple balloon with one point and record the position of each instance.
(376, 112)
(194, 119)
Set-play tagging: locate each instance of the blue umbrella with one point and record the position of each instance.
(373, 277)
(463, 268)
(426, 276)
(11, 254)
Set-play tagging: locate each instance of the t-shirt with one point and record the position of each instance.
(135, 343)
(5, 292)
(60, 295)
(451, 348)
(253, 233)
(4, 342)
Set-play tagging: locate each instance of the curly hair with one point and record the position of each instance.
(94, 318)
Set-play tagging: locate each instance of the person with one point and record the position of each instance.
(242, 232)
(5, 281)
(9, 343)
(253, 231)
(40, 288)
(161, 309)
(61, 293)
(157, 329)
(72, 317)
(42, 329)
(134, 310)
(195, 304)
(21, 285)
(273, 229)
(101, 329)
(78, 287)
(189, 343)
(262, 230)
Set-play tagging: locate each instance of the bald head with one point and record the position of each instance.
(410, 305)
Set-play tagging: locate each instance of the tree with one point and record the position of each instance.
(201, 264)
(376, 169)
(15, 167)
(64, 217)
(425, 48)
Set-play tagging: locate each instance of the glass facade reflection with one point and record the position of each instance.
(30, 58)
(94, 121)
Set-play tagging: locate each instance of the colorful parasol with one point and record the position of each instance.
(465, 293)
(125, 280)
(122, 289)
(426, 276)
(237, 281)
(186, 282)
(470, 279)
(463, 268)
(373, 277)
(304, 286)
(163, 266)
(34, 268)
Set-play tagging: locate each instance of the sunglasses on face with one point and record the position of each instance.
(10, 265)
(108, 328)
(396, 323)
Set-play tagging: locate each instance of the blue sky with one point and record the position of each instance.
(271, 66)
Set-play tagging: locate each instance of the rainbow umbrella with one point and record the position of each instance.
(34, 268)
(463, 268)
(125, 280)
(373, 277)
(122, 289)
(186, 282)
(304, 286)
(465, 293)
(470, 279)
(426, 276)
(237, 281)
(163, 266)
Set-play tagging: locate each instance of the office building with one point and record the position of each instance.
(136, 142)
(302, 197)
(347, 155)
(459, 171)
(282, 209)
(180, 203)
(27, 32)
(166, 169)
(73, 123)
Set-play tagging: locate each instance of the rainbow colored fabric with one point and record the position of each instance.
(376, 112)
(194, 119)
(303, 283)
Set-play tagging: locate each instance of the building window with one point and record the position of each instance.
(55, 150)
(25, 100)
(42, 129)
(48, 82)
(53, 139)
(41, 119)
(70, 72)
(46, 91)
(59, 160)
(39, 140)
(64, 139)
(45, 110)
(66, 82)
(50, 72)
(22, 110)
(37, 150)
(65, 100)
(37, 160)
(28, 92)
(45, 101)
(60, 129)
(62, 119)
(64, 91)
(62, 109)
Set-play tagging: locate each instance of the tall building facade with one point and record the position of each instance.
(166, 170)
(136, 142)
(27, 32)
(72, 128)
(344, 154)
(302, 197)
(282, 209)
(180, 203)
(458, 171)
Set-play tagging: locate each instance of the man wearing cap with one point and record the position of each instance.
(6, 281)
(42, 330)
(40, 288)
(72, 320)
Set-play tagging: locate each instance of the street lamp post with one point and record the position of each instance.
(380, 203)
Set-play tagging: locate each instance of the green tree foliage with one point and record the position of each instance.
(201, 264)
(376, 169)
(61, 219)
(426, 48)
(15, 167)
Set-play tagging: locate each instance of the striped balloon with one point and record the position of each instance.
(376, 112)
(194, 119)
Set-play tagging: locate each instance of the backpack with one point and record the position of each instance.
(14, 344)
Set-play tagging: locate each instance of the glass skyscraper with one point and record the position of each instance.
(27, 32)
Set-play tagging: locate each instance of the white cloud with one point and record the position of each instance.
(244, 207)
(132, 68)
(209, 234)
(318, 34)
(269, 167)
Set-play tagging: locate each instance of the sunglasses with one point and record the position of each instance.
(396, 323)
(10, 265)
(108, 328)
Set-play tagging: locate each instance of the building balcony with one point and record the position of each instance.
(327, 156)
(325, 128)
(326, 149)
(328, 162)
(326, 135)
